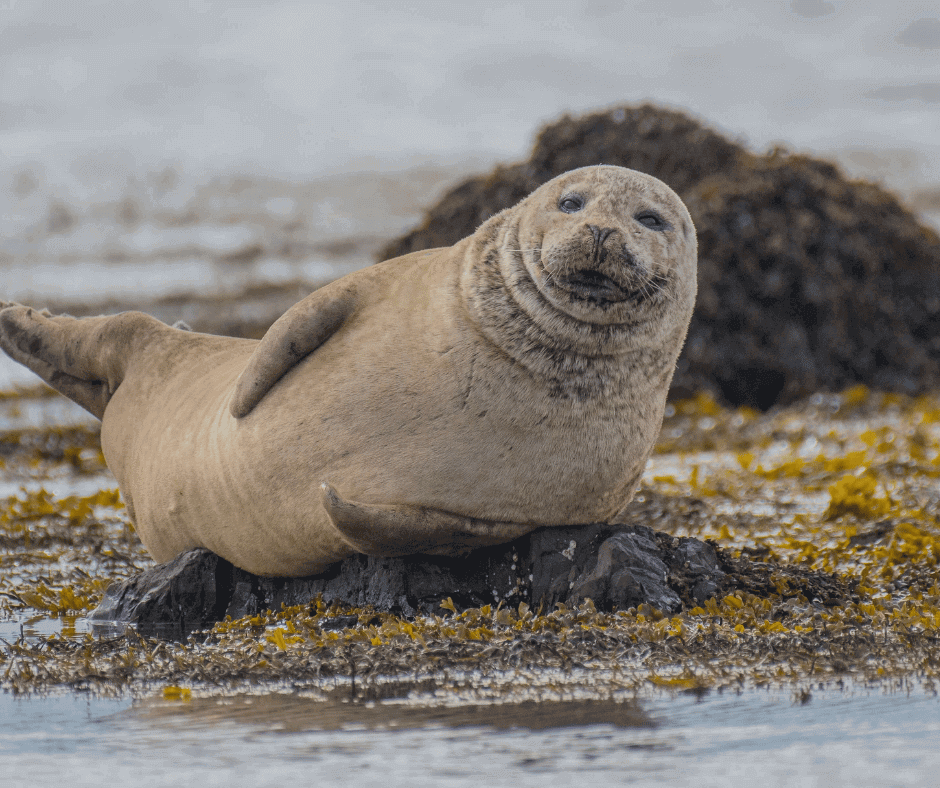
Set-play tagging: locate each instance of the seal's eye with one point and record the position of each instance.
(571, 203)
(652, 220)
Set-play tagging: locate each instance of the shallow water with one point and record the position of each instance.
(40, 626)
(856, 738)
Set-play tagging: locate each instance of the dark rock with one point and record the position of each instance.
(808, 281)
(399, 585)
(699, 567)
(617, 566)
(629, 572)
(169, 600)
(621, 566)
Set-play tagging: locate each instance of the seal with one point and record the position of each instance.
(440, 401)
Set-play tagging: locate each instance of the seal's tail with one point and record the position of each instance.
(84, 359)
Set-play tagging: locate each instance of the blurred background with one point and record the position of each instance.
(213, 162)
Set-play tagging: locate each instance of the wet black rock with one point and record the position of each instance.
(170, 599)
(620, 566)
(808, 281)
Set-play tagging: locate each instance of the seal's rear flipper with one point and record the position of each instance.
(407, 530)
(292, 337)
(84, 359)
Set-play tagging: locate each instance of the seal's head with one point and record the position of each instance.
(597, 263)
(606, 245)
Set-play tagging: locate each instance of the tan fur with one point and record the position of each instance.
(435, 402)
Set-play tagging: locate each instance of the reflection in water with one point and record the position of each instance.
(292, 714)
(42, 625)
(858, 738)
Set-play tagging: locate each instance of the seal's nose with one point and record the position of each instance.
(600, 234)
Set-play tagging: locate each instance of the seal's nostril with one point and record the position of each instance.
(600, 234)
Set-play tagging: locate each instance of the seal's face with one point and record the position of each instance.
(607, 245)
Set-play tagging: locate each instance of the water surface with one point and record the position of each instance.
(855, 738)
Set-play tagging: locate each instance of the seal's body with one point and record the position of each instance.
(432, 403)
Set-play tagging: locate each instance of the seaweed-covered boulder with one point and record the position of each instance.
(808, 280)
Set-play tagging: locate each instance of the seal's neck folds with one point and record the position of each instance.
(578, 357)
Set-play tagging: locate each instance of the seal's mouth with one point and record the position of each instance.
(593, 286)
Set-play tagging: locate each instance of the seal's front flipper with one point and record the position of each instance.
(293, 336)
(408, 530)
